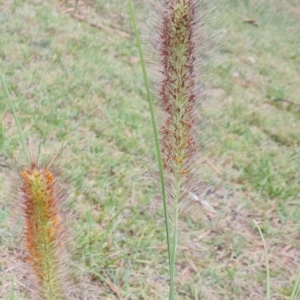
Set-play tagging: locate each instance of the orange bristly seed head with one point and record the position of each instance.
(42, 229)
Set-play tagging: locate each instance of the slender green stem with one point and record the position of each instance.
(268, 292)
(173, 254)
(155, 132)
(175, 233)
(21, 134)
(1, 135)
(296, 288)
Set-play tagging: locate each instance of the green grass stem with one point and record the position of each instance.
(1, 135)
(155, 132)
(173, 255)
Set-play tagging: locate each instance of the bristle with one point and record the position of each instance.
(177, 86)
(43, 230)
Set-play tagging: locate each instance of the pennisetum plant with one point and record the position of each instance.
(175, 93)
(40, 199)
(174, 88)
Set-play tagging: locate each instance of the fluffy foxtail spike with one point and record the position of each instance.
(178, 49)
(43, 231)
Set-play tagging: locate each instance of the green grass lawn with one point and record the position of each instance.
(76, 83)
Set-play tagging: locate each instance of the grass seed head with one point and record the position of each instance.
(178, 40)
(43, 230)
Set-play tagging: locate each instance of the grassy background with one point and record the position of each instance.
(73, 74)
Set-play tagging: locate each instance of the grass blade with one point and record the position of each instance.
(268, 287)
(155, 132)
(296, 288)
(21, 134)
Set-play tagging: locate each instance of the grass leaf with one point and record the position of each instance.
(268, 288)
(21, 134)
(296, 288)
(155, 132)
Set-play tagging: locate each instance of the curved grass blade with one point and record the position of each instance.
(21, 134)
(296, 288)
(268, 292)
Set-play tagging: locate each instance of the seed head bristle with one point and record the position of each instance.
(178, 93)
(43, 230)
